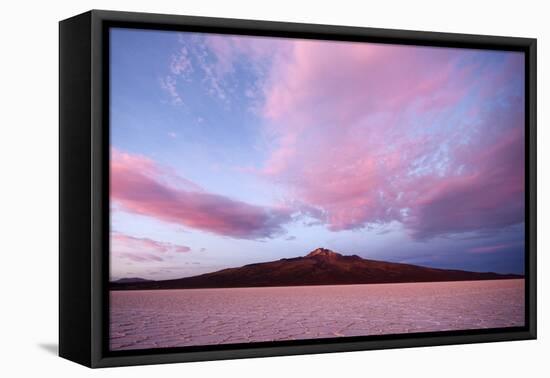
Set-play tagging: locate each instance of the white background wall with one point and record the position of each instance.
(28, 190)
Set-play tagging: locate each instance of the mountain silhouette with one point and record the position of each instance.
(319, 267)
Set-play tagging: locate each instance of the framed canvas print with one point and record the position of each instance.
(234, 188)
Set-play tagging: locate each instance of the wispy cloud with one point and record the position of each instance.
(214, 60)
(492, 248)
(181, 64)
(169, 84)
(139, 249)
(181, 69)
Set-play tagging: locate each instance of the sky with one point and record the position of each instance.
(228, 150)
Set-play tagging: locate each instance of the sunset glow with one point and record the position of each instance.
(230, 150)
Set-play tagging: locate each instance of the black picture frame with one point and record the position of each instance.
(84, 194)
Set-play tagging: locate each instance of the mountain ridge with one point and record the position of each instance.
(321, 266)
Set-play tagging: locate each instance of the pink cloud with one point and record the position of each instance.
(140, 186)
(374, 133)
(488, 196)
(142, 249)
(353, 79)
(182, 249)
(378, 133)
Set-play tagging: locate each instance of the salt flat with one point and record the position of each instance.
(172, 318)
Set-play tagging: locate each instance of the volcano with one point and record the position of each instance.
(319, 267)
